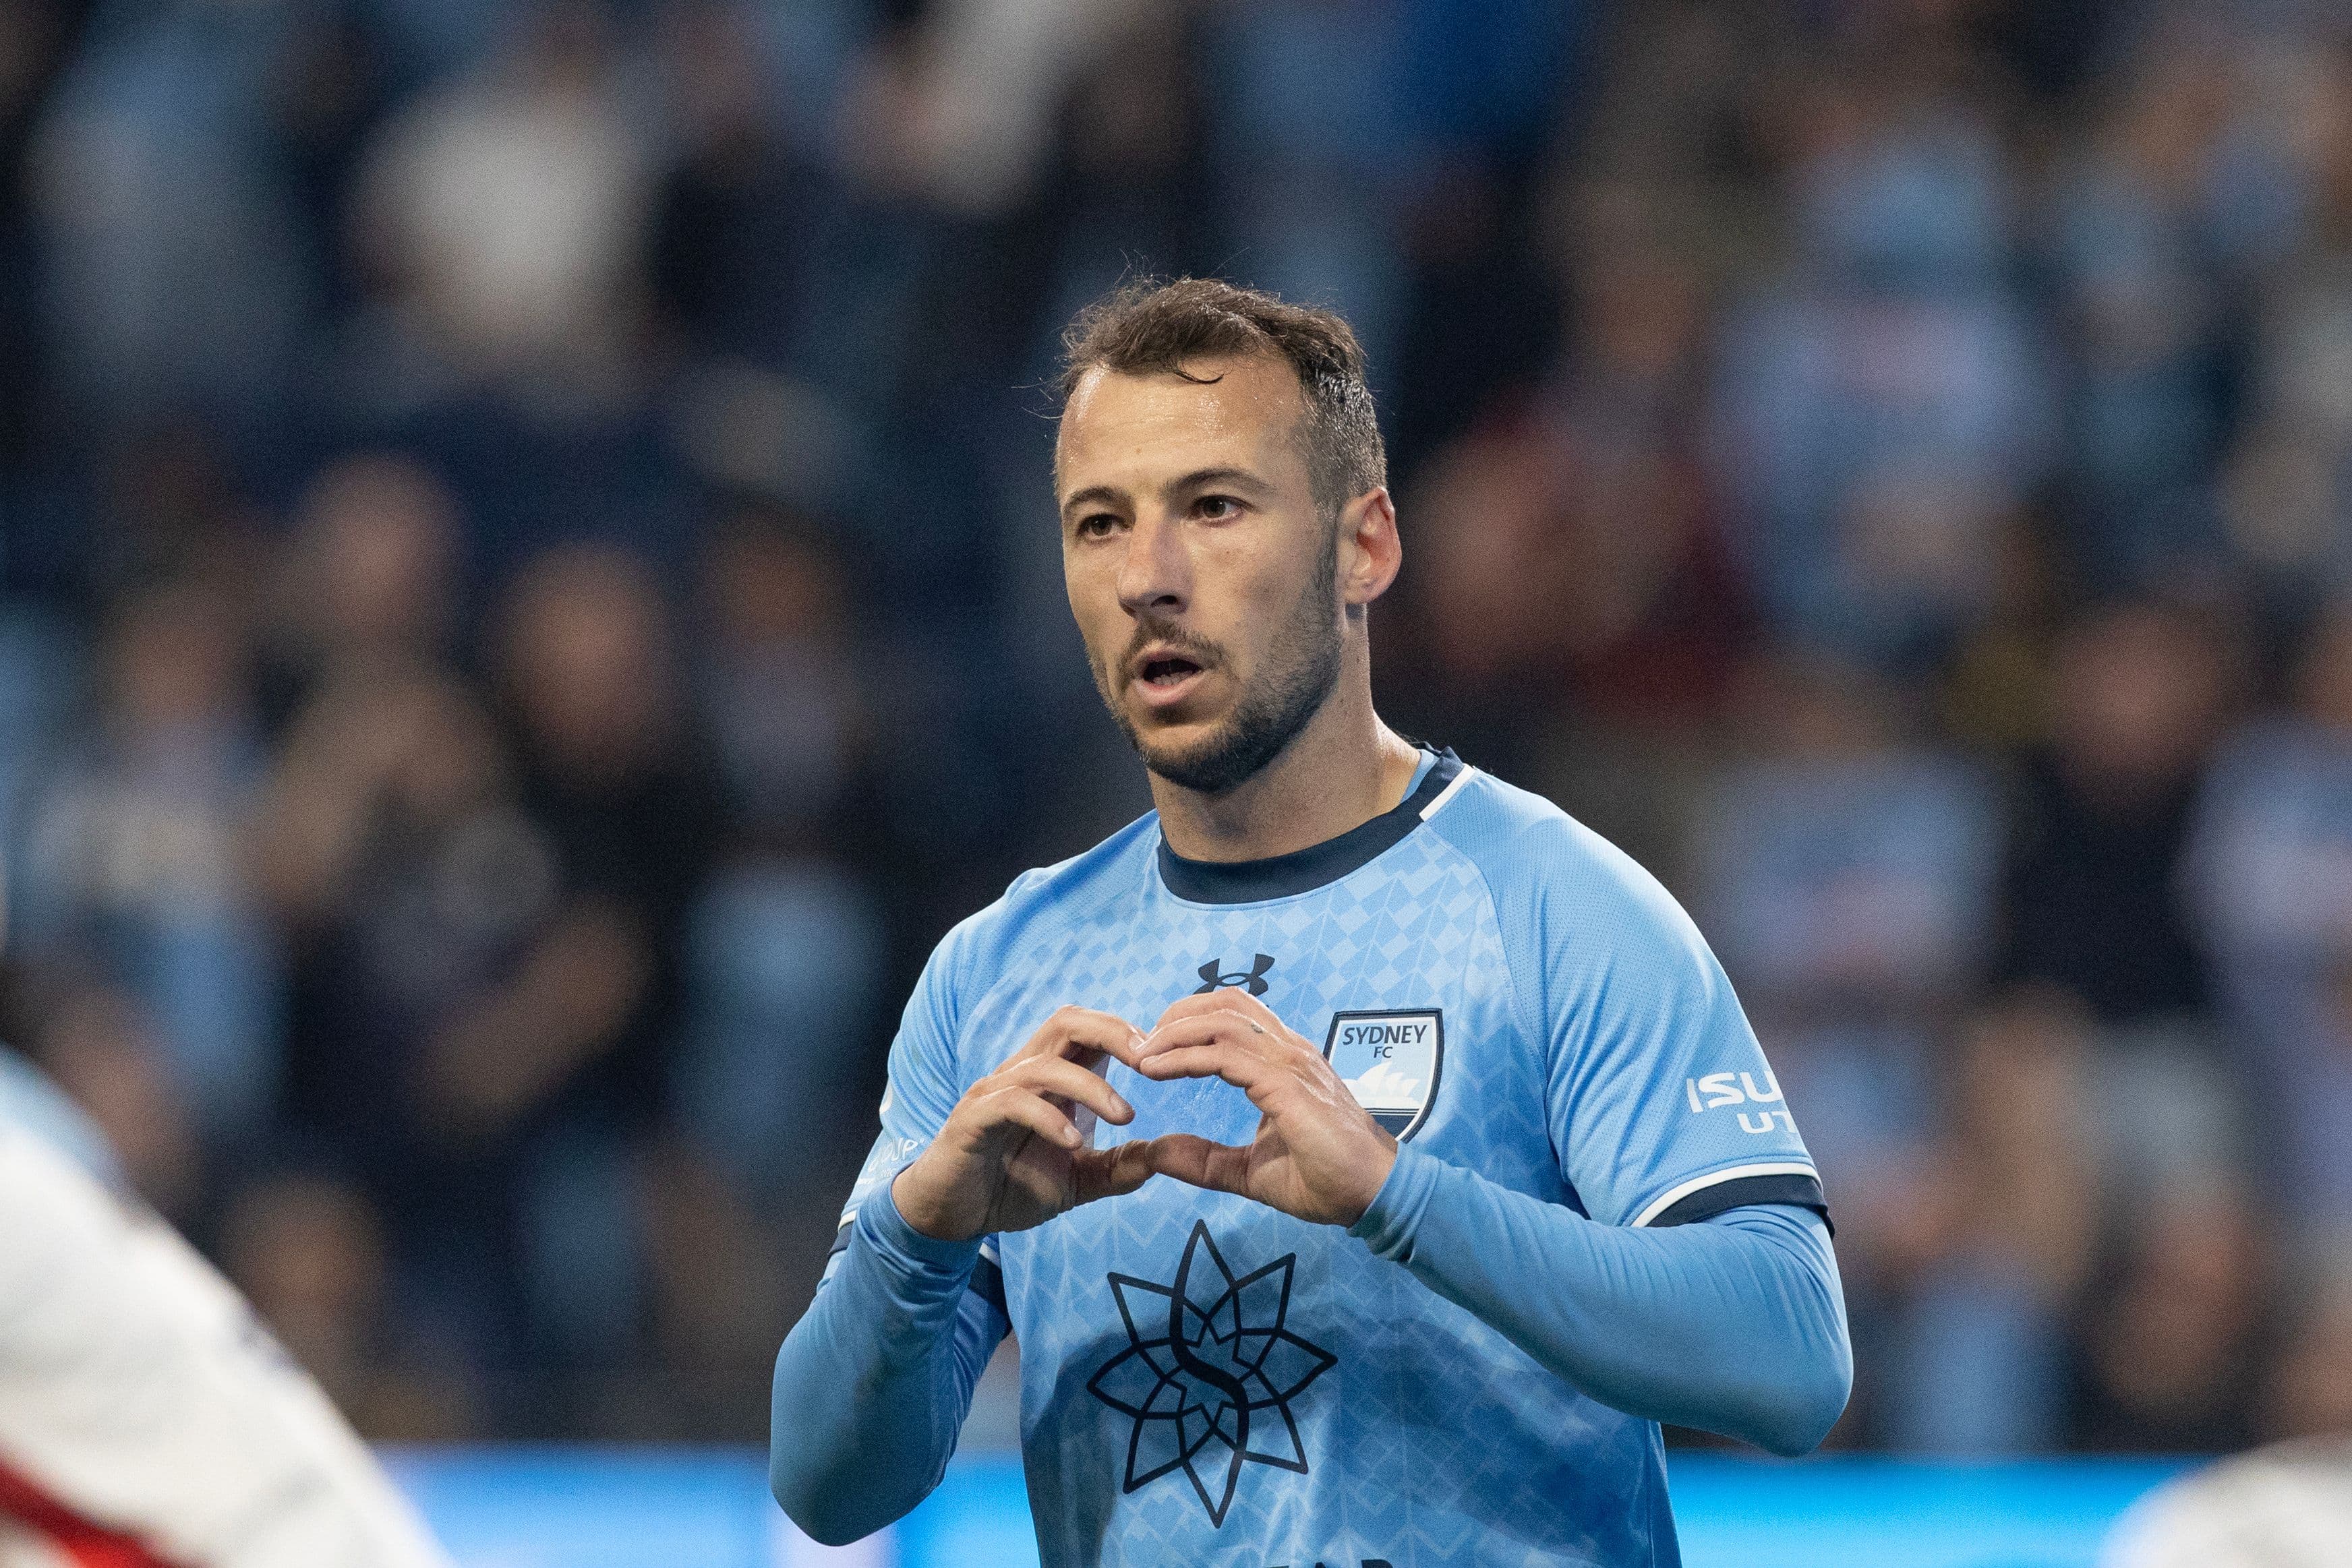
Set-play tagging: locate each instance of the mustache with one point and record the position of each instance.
(1199, 648)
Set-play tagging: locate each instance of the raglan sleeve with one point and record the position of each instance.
(872, 1383)
(922, 1089)
(1658, 1095)
(1736, 1325)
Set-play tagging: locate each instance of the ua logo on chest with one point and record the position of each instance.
(1214, 975)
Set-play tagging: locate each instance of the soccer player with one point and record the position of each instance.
(146, 1421)
(1477, 1172)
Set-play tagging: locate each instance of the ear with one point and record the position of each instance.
(1370, 551)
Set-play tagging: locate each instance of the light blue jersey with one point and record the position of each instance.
(1206, 1380)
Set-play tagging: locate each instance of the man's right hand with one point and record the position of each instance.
(1018, 1149)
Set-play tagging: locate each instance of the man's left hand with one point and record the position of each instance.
(1318, 1154)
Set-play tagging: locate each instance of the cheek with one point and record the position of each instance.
(1258, 595)
(1094, 603)
(1240, 569)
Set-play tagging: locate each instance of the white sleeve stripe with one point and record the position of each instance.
(1673, 1195)
(1447, 793)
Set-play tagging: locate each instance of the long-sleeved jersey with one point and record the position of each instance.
(1473, 1373)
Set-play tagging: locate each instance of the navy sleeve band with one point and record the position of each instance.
(1799, 1191)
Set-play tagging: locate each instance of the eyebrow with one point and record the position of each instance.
(1198, 479)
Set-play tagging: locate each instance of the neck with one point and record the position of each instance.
(1342, 771)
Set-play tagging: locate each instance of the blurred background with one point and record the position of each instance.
(530, 599)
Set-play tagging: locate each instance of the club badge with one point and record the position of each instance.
(1391, 1061)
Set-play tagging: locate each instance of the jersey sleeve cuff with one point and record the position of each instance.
(1388, 1226)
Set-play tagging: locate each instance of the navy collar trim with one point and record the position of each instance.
(1303, 871)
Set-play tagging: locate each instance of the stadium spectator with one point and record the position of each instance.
(310, 1255)
(371, 587)
(506, 210)
(2137, 694)
(172, 266)
(1884, 403)
(101, 1049)
(1847, 867)
(2170, 1357)
(1996, 1234)
(2271, 880)
(560, 1064)
(2143, 235)
(136, 865)
(1530, 592)
(733, 226)
(785, 945)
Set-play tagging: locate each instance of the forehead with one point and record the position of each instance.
(1130, 430)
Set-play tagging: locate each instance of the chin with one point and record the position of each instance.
(1176, 745)
(1214, 751)
(1206, 760)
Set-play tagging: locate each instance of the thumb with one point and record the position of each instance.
(1198, 1161)
(1111, 1173)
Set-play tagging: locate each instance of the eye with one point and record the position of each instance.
(1217, 509)
(1096, 525)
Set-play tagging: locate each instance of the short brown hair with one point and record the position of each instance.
(1147, 326)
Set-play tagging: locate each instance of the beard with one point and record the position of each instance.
(1302, 667)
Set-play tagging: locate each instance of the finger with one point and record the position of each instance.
(1111, 1173)
(1076, 1084)
(1265, 1016)
(1215, 1059)
(1230, 1000)
(1072, 1031)
(1200, 1029)
(1198, 1161)
(1085, 1035)
(1249, 1023)
(1019, 1107)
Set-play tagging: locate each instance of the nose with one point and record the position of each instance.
(1155, 575)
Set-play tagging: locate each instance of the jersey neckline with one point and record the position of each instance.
(1318, 865)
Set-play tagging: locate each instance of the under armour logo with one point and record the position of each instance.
(1252, 980)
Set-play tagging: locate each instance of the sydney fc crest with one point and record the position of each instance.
(1391, 1061)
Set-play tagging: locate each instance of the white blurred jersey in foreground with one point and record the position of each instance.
(146, 1421)
(2286, 1506)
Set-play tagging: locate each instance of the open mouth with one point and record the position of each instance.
(1169, 671)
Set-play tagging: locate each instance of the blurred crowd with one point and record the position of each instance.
(530, 598)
